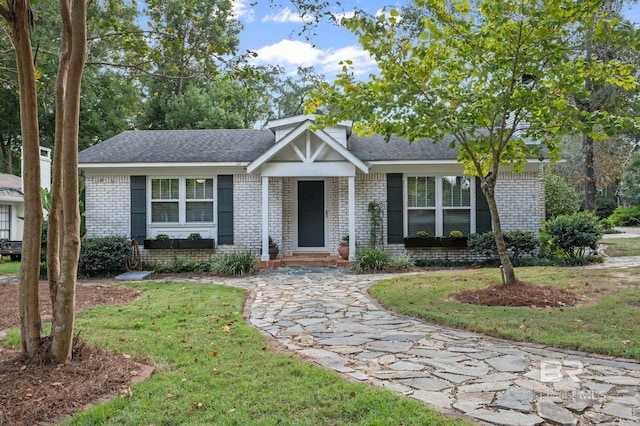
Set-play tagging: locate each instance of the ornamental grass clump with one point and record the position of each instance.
(228, 264)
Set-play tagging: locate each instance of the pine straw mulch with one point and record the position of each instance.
(521, 294)
(36, 391)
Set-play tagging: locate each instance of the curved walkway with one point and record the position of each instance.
(325, 315)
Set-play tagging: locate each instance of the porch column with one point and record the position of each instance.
(265, 218)
(352, 218)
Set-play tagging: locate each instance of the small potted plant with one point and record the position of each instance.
(273, 249)
(161, 241)
(343, 250)
(195, 241)
(456, 239)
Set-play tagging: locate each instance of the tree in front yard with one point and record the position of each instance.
(630, 185)
(492, 74)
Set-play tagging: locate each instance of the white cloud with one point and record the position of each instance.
(289, 53)
(292, 54)
(284, 16)
(243, 11)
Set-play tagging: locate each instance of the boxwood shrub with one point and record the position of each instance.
(101, 257)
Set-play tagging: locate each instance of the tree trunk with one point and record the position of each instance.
(55, 233)
(62, 328)
(488, 187)
(19, 18)
(7, 157)
(589, 173)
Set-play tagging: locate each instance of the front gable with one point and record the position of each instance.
(305, 151)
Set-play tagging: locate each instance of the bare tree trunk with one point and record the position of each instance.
(7, 157)
(74, 14)
(589, 173)
(20, 20)
(54, 235)
(488, 187)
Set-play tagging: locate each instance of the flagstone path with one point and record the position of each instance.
(325, 315)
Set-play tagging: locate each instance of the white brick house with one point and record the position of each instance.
(306, 188)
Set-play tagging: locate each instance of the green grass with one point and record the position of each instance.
(608, 323)
(9, 267)
(619, 247)
(205, 375)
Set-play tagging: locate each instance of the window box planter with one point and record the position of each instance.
(450, 242)
(454, 242)
(415, 242)
(204, 243)
(179, 243)
(160, 244)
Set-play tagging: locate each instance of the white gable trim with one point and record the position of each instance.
(295, 133)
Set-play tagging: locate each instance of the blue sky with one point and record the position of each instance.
(272, 32)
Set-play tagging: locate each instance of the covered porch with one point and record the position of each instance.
(315, 175)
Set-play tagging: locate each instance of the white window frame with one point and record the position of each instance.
(5, 210)
(439, 208)
(173, 228)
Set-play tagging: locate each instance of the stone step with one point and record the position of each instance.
(309, 261)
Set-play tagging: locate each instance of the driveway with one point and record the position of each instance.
(326, 315)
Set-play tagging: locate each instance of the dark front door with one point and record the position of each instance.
(311, 213)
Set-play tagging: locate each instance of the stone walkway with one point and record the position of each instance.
(326, 316)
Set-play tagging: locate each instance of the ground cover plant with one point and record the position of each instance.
(606, 322)
(619, 247)
(212, 368)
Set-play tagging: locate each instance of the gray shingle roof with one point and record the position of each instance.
(177, 146)
(190, 146)
(10, 186)
(374, 148)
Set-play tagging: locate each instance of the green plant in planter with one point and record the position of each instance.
(422, 234)
(456, 234)
(162, 237)
(345, 239)
(194, 236)
(271, 243)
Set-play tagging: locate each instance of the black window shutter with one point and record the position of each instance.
(483, 215)
(225, 209)
(395, 214)
(139, 208)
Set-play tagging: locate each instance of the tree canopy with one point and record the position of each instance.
(495, 75)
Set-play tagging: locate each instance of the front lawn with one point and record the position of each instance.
(212, 368)
(9, 267)
(618, 247)
(608, 322)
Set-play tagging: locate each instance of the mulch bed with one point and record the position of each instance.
(521, 294)
(33, 391)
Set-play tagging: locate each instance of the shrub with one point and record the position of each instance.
(181, 264)
(560, 197)
(607, 225)
(483, 244)
(521, 243)
(402, 262)
(228, 264)
(518, 243)
(573, 234)
(100, 257)
(371, 260)
(605, 205)
(626, 216)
